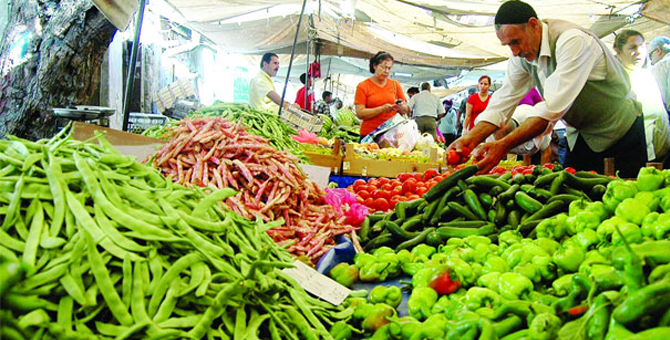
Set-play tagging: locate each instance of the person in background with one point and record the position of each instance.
(477, 103)
(323, 105)
(300, 96)
(460, 118)
(581, 82)
(335, 106)
(631, 50)
(379, 98)
(412, 91)
(262, 94)
(425, 108)
(659, 51)
(447, 122)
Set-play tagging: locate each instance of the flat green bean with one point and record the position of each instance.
(74, 290)
(109, 294)
(172, 273)
(64, 317)
(14, 203)
(127, 284)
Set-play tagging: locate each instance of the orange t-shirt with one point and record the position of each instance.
(372, 95)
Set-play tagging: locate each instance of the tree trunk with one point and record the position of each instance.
(61, 67)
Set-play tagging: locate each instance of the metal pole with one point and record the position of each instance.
(290, 63)
(131, 68)
(307, 73)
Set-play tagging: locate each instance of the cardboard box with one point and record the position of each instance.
(333, 162)
(125, 142)
(355, 166)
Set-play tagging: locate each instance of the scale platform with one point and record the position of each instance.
(86, 113)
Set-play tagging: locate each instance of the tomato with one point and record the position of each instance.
(381, 204)
(382, 194)
(418, 176)
(421, 190)
(498, 170)
(393, 202)
(430, 184)
(430, 173)
(453, 157)
(369, 188)
(571, 170)
(549, 166)
(447, 174)
(368, 202)
(527, 171)
(360, 200)
(387, 187)
(466, 152)
(358, 183)
(395, 183)
(403, 176)
(364, 194)
(397, 191)
(373, 181)
(384, 180)
(408, 186)
(413, 197)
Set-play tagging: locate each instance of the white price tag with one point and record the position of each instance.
(318, 284)
(346, 166)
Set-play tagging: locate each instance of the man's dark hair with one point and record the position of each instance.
(623, 36)
(303, 78)
(326, 94)
(514, 12)
(267, 58)
(425, 86)
(472, 90)
(378, 58)
(413, 90)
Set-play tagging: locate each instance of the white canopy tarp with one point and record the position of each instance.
(457, 33)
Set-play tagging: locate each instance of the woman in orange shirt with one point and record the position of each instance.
(378, 98)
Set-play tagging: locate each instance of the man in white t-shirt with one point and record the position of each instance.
(262, 94)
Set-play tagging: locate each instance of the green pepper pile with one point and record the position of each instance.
(95, 245)
(599, 268)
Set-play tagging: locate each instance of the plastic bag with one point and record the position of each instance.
(425, 142)
(402, 136)
(345, 203)
(305, 136)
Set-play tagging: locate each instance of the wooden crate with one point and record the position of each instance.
(357, 166)
(334, 161)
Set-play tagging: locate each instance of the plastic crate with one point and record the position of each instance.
(138, 122)
(301, 120)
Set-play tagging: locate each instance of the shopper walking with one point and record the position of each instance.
(477, 102)
(425, 108)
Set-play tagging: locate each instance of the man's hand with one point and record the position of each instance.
(296, 106)
(469, 141)
(488, 155)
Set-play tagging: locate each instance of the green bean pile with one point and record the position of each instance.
(94, 245)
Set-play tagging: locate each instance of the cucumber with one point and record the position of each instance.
(441, 187)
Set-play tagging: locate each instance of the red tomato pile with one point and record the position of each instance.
(382, 194)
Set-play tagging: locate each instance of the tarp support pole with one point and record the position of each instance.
(290, 63)
(130, 75)
(307, 75)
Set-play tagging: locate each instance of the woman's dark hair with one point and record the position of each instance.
(303, 78)
(378, 58)
(482, 77)
(623, 36)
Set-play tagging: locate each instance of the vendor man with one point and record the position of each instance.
(262, 94)
(582, 83)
